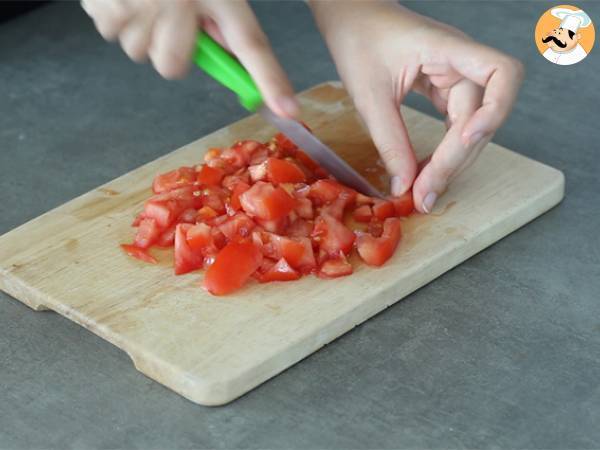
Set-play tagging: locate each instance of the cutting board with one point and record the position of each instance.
(214, 349)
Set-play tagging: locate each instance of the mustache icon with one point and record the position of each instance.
(555, 40)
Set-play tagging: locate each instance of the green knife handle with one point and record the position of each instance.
(219, 64)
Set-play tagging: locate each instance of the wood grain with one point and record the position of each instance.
(212, 350)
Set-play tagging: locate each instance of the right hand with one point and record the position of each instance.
(166, 30)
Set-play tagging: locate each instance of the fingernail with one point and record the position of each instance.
(397, 186)
(289, 106)
(475, 138)
(429, 201)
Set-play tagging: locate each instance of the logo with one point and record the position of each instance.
(564, 35)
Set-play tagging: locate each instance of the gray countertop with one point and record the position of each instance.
(500, 352)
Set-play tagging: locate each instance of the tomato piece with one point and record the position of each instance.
(167, 237)
(173, 179)
(186, 259)
(147, 233)
(304, 208)
(337, 207)
(325, 191)
(188, 216)
(238, 190)
(336, 267)
(206, 214)
(139, 253)
(164, 213)
(362, 199)
(332, 235)
(404, 204)
(298, 252)
(233, 266)
(237, 227)
(138, 219)
(274, 226)
(375, 251)
(267, 202)
(258, 172)
(363, 214)
(280, 271)
(230, 181)
(200, 240)
(259, 155)
(300, 228)
(210, 176)
(282, 171)
(285, 143)
(382, 209)
(212, 153)
(375, 227)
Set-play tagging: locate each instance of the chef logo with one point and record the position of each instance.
(564, 35)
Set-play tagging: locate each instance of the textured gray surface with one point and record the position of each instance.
(501, 352)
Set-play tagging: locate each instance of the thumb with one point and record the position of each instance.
(245, 38)
(390, 136)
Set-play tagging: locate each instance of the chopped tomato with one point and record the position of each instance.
(164, 213)
(332, 235)
(173, 179)
(167, 237)
(200, 240)
(377, 250)
(206, 214)
(298, 252)
(188, 216)
(336, 207)
(232, 267)
(285, 143)
(139, 253)
(186, 259)
(237, 227)
(138, 219)
(362, 199)
(304, 208)
(281, 271)
(282, 171)
(382, 209)
(274, 226)
(210, 176)
(147, 233)
(300, 228)
(404, 204)
(258, 172)
(335, 267)
(267, 202)
(363, 214)
(325, 191)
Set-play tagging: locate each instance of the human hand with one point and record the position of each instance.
(382, 51)
(165, 31)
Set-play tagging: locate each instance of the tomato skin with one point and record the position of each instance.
(139, 253)
(238, 190)
(173, 179)
(382, 209)
(285, 143)
(332, 235)
(210, 176)
(282, 171)
(326, 191)
(363, 214)
(335, 267)
(147, 233)
(280, 271)
(297, 252)
(233, 266)
(186, 259)
(375, 251)
(403, 205)
(267, 202)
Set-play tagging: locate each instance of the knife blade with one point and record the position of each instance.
(322, 154)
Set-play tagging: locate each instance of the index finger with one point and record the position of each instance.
(499, 74)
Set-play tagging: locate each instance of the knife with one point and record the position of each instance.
(220, 65)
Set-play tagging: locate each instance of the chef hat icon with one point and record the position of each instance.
(571, 20)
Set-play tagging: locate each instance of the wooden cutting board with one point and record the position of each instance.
(210, 349)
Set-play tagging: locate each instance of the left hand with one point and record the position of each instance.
(383, 50)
